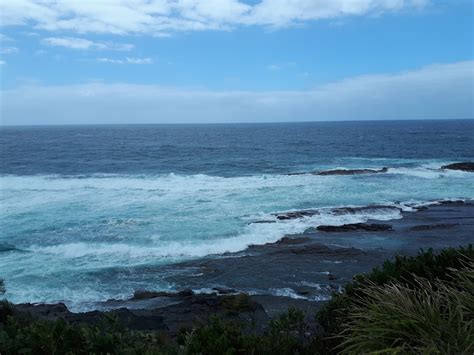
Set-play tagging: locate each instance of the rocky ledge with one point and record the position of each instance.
(187, 308)
(341, 172)
(463, 166)
(352, 227)
(351, 171)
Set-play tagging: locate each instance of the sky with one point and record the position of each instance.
(218, 61)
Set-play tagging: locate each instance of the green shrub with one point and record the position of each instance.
(406, 270)
(285, 335)
(426, 264)
(431, 318)
(22, 334)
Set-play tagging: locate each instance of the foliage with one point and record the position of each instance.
(431, 318)
(21, 334)
(237, 303)
(426, 264)
(285, 335)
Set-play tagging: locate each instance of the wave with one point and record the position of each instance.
(290, 293)
(253, 234)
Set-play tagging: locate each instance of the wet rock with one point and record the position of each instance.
(426, 227)
(331, 277)
(45, 311)
(294, 174)
(144, 295)
(170, 319)
(463, 166)
(451, 202)
(323, 250)
(373, 227)
(351, 171)
(354, 210)
(186, 293)
(292, 241)
(261, 222)
(296, 214)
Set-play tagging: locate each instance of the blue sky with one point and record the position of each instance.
(143, 61)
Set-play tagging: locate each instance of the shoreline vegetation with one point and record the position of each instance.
(417, 304)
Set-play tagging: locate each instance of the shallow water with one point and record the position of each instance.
(79, 203)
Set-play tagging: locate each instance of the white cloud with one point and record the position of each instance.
(2, 62)
(127, 60)
(8, 50)
(274, 67)
(5, 38)
(436, 91)
(279, 13)
(281, 66)
(160, 17)
(83, 44)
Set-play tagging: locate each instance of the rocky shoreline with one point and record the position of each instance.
(298, 270)
(461, 166)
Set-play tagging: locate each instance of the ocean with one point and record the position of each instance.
(90, 213)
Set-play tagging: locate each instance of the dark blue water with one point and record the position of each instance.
(225, 150)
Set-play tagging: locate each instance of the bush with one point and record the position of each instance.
(286, 335)
(404, 271)
(431, 318)
(21, 334)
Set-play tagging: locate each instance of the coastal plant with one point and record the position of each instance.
(430, 318)
(23, 334)
(285, 335)
(425, 264)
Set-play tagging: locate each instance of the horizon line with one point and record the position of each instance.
(231, 123)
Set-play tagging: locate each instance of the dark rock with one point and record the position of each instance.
(170, 319)
(296, 214)
(373, 227)
(143, 295)
(350, 171)
(451, 202)
(292, 241)
(463, 166)
(186, 293)
(45, 311)
(259, 222)
(323, 250)
(426, 227)
(353, 210)
(331, 277)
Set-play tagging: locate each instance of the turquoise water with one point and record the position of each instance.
(88, 212)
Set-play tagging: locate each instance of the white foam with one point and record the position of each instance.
(290, 293)
(428, 171)
(310, 284)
